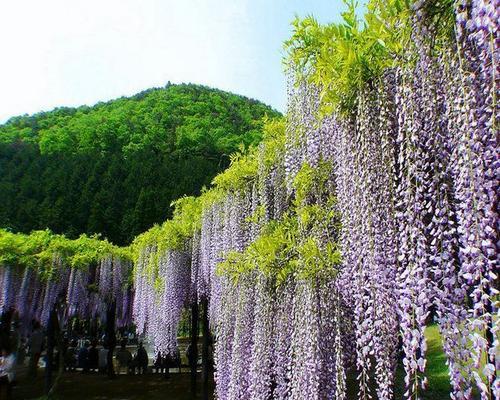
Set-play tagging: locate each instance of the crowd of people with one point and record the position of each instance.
(93, 357)
(79, 353)
(82, 354)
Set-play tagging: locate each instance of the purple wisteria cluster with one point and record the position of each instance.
(307, 137)
(10, 283)
(417, 172)
(280, 341)
(415, 176)
(110, 281)
(367, 282)
(82, 292)
(160, 295)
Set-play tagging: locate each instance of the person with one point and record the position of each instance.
(142, 359)
(21, 352)
(7, 365)
(158, 363)
(167, 363)
(124, 358)
(192, 361)
(83, 357)
(93, 356)
(35, 345)
(176, 360)
(103, 359)
(133, 365)
(70, 357)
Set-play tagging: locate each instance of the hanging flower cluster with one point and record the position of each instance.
(274, 313)
(43, 269)
(144, 293)
(416, 168)
(161, 295)
(329, 249)
(10, 283)
(110, 285)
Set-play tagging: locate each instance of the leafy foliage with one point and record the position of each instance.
(291, 246)
(341, 58)
(38, 249)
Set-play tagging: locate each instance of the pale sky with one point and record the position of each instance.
(75, 52)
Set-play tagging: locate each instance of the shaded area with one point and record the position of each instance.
(177, 387)
(76, 386)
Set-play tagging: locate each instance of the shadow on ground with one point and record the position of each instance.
(78, 386)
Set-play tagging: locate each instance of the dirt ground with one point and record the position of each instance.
(79, 386)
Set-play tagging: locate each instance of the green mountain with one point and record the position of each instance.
(114, 168)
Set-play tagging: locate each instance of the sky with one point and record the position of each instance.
(74, 52)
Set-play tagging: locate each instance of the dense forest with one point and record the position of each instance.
(114, 168)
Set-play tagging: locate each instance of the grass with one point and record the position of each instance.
(436, 369)
(436, 372)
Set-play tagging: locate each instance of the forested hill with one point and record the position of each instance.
(115, 167)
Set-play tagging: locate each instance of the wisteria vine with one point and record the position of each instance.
(327, 251)
(409, 178)
(34, 283)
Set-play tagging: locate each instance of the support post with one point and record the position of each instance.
(204, 351)
(110, 338)
(52, 326)
(5, 323)
(193, 354)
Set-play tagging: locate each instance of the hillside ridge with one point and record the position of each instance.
(115, 167)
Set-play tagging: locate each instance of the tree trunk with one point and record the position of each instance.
(5, 323)
(60, 370)
(94, 328)
(204, 351)
(51, 342)
(490, 340)
(110, 338)
(194, 345)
